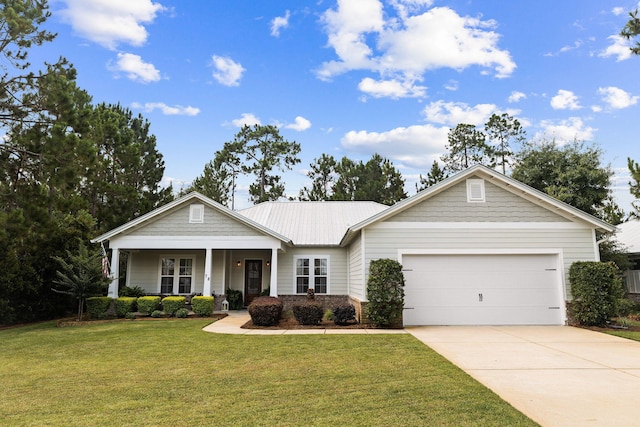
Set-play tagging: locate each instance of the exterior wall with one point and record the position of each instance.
(337, 269)
(177, 223)
(500, 205)
(574, 243)
(145, 269)
(235, 274)
(356, 273)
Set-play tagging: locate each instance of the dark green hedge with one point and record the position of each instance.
(266, 311)
(202, 306)
(124, 305)
(147, 305)
(596, 290)
(385, 292)
(97, 307)
(308, 312)
(172, 304)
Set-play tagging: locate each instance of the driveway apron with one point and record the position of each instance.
(556, 375)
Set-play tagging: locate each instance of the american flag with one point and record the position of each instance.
(106, 269)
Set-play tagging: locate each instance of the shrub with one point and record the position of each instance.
(182, 313)
(384, 292)
(596, 291)
(266, 292)
(328, 315)
(146, 305)
(308, 313)
(124, 305)
(235, 299)
(172, 304)
(265, 311)
(202, 306)
(135, 292)
(97, 307)
(343, 314)
(157, 313)
(626, 307)
(130, 315)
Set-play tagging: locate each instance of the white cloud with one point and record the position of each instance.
(453, 113)
(227, 71)
(278, 23)
(565, 100)
(516, 96)
(620, 48)
(452, 85)
(618, 11)
(300, 124)
(617, 98)
(391, 88)
(248, 119)
(167, 110)
(403, 48)
(416, 146)
(566, 131)
(110, 22)
(135, 68)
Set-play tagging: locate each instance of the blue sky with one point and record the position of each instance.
(356, 77)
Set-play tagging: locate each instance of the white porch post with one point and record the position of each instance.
(206, 289)
(115, 274)
(274, 273)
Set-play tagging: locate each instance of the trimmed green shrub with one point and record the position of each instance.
(343, 314)
(234, 298)
(385, 293)
(172, 304)
(202, 306)
(146, 305)
(97, 307)
(124, 305)
(596, 290)
(626, 307)
(130, 315)
(182, 313)
(328, 315)
(265, 311)
(157, 313)
(308, 312)
(135, 291)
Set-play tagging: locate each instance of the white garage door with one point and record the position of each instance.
(482, 290)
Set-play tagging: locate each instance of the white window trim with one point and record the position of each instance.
(473, 185)
(196, 214)
(176, 272)
(311, 271)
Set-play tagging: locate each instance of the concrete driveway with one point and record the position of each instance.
(556, 375)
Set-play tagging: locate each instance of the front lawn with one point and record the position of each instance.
(170, 372)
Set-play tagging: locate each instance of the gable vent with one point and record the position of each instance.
(196, 214)
(475, 190)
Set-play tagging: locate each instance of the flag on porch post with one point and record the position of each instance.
(106, 268)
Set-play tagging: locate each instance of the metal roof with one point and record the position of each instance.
(628, 234)
(312, 223)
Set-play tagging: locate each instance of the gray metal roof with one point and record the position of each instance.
(312, 223)
(628, 234)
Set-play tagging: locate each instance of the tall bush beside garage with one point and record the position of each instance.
(596, 289)
(385, 292)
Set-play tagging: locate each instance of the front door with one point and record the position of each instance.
(252, 280)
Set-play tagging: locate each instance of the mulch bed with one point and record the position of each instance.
(63, 323)
(291, 323)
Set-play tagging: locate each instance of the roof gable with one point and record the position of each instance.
(170, 220)
(517, 188)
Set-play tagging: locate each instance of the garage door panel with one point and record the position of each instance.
(482, 289)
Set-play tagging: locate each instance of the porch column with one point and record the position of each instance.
(115, 274)
(206, 289)
(274, 273)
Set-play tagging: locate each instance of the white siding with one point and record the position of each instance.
(145, 267)
(576, 244)
(356, 275)
(337, 269)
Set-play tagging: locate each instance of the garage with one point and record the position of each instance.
(483, 289)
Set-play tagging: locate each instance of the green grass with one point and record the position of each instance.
(170, 372)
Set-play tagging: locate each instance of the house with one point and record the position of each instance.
(476, 248)
(628, 235)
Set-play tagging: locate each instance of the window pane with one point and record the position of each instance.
(168, 266)
(302, 284)
(321, 285)
(320, 266)
(186, 266)
(166, 285)
(184, 285)
(302, 267)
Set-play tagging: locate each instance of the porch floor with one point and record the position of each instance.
(232, 324)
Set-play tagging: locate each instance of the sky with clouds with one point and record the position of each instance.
(356, 77)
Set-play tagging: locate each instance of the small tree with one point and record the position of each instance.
(80, 276)
(596, 290)
(384, 292)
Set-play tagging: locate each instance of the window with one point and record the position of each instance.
(312, 272)
(176, 280)
(475, 190)
(196, 214)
